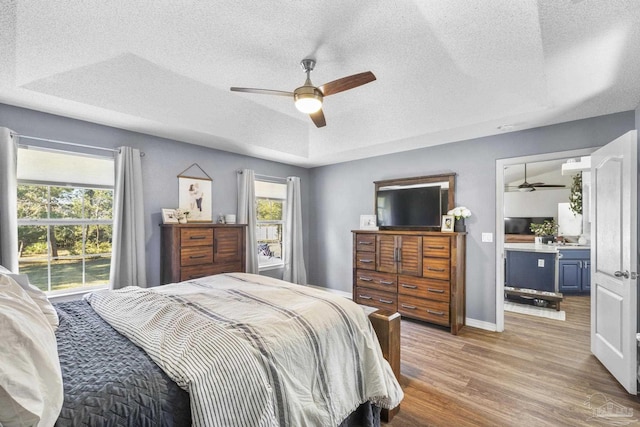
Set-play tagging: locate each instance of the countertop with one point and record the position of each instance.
(543, 248)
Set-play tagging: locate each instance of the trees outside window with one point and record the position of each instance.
(64, 235)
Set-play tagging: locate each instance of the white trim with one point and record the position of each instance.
(268, 267)
(480, 324)
(70, 295)
(500, 164)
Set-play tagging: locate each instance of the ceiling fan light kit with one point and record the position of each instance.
(308, 98)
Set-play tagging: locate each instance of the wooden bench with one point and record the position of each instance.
(553, 298)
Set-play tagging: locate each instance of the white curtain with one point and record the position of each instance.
(128, 257)
(247, 215)
(8, 201)
(294, 269)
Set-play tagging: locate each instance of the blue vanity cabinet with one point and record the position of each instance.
(531, 270)
(586, 276)
(574, 271)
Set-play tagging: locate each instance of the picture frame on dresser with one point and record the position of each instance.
(169, 216)
(447, 223)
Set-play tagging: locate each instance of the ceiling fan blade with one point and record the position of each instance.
(262, 91)
(346, 83)
(549, 185)
(318, 118)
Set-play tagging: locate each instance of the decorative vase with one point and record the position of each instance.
(182, 220)
(459, 226)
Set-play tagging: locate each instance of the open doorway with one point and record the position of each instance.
(528, 198)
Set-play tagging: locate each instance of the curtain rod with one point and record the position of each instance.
(74, 144)
(278, 178)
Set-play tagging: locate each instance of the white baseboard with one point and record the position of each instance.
(481, 324)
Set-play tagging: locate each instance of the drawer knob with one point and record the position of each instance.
(365, 279)
(435, 247)
(410, 307)
(404, 285)
(197, 256)
(385, 282)
(364, 243)
(435, 269)
(437, 291)
(364, 297)
(385, 301)
(365, 261)
(197, 237)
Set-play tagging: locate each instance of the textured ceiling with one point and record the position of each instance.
(446, 70)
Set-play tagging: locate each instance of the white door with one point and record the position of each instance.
(614, 258)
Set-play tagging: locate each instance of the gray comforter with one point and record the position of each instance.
(109, 381)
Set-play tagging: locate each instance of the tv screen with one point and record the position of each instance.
(520, 225)
(410, 206)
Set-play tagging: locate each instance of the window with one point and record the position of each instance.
(270, 205)
(65, 204)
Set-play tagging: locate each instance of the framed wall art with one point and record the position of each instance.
(194, 195)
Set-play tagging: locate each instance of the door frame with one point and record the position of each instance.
(500, 164)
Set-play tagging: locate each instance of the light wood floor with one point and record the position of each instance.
(539, 372)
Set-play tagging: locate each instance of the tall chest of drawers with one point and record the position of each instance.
(419, 274)
(190, 251)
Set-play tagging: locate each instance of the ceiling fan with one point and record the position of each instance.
(526, 186)
(308, 98)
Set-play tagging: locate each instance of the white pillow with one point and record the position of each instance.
(30, 377)
(39, 297)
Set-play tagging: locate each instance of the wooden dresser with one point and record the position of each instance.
(420, 274)
(189, 251)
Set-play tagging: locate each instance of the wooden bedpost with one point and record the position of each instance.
(387, 327)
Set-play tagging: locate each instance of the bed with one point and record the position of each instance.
(213, 351)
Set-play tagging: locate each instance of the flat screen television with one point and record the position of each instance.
(520, 225)
(411, 206)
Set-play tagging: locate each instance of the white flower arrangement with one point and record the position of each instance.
(460, 212)
(181, 214)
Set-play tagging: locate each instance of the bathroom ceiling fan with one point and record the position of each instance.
(526, 186)
(309, 98)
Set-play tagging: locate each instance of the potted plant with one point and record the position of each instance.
(546, 231)
(460, 213)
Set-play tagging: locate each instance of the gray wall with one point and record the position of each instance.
(335, 196)
(341, 193)
(164, 159)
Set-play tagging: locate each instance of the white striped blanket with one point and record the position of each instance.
(256, 351)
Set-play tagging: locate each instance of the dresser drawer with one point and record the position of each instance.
(435, 268)
(438, 247)
(365, 242)
(196, 255)
(379, 299)
(437, 290)
(375, 280)
(195, 272)
(196, 237)
(366, 260)
(423, 309)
